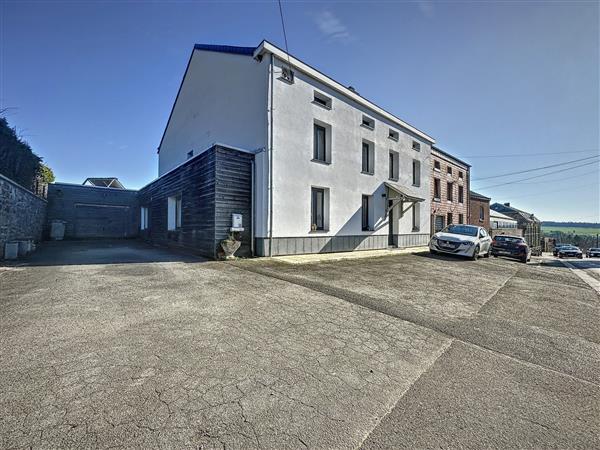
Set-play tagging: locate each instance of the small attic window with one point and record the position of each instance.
(368, 122)
(393, 135)
(287, 74)
(416, 146)
(322, 100)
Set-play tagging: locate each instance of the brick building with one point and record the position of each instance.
(479, 210)
(450, 179)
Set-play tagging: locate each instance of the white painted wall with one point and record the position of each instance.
(222, 99)
(295, 173)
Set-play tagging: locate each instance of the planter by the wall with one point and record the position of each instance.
(230, 246)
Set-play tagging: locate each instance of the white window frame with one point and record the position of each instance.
(174, 212)
(143, 218)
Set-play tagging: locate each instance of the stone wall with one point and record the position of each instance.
(22, 213)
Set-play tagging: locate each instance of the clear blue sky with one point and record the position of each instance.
(94, 81)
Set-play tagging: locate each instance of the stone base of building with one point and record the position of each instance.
(281, 246)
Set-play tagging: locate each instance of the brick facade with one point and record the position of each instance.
(479, 207)
(445, 210)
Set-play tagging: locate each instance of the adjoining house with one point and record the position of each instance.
(503, 224)
(479, 210)
(110, 182)
(311, 165)
(530, 226)
(450, 179)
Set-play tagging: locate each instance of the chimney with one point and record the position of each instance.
(352, 89)
(507, 204)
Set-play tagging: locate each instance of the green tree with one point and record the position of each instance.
(18, 161)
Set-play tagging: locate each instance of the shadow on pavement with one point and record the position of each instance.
(60, 253)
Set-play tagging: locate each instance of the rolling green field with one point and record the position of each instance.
(582, 231)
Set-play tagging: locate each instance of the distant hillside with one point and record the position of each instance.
(571, 224)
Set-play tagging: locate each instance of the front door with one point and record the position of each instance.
(439, 224)
(390, 223)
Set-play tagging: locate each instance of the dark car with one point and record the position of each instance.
(557, 248)
(570, 252)
(593, 252)
(511, 247)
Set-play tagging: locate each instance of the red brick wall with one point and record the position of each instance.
(441, 206)
(475, 205)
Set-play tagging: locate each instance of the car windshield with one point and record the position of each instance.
(508, 239)
(465, 230)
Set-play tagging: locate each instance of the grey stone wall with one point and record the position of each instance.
(22, 213)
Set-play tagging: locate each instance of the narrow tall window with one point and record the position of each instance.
(436, 166)
(143, 218)
(416, 166)
(461, 194)
(449, 220)
(416, 223)
(461, 218)
(436, 189)
(365, 213)
(366, 167)
(174, 212)
(449, 170)
(320, 144)
(317, 209)
(449, 191)
(481, 214)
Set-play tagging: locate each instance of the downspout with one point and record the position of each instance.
(271, 159)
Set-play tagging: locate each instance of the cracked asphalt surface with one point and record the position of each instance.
(116, 344)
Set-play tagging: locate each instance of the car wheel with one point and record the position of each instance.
(475, 253)
(524, 259)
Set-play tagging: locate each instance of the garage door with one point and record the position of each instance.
(101, 221)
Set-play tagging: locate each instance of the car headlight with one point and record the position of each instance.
(466, 243)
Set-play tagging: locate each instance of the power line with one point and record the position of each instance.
(579, 175)
(536, 168)
(553, 191)
(537, 176)
(531, 154)
(284, 35)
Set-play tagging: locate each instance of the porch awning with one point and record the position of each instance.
(400, 196)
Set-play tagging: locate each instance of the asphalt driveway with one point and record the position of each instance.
(119, 344)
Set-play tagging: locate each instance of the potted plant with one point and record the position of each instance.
(231, 245)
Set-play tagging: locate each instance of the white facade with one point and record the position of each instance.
(244, 101)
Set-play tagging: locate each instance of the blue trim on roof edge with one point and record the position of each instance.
(226, 49)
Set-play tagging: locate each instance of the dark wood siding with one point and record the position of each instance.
(212, 185)
(195, 181)
(233, 194)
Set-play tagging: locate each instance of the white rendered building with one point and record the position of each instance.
(331, 170)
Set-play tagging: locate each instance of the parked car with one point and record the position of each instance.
(464, 240)
(570, 252)
(593, 252)
(511, 247)
(557, 248)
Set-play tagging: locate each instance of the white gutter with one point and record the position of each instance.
(267, 47)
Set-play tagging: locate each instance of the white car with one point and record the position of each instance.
(464, 240)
